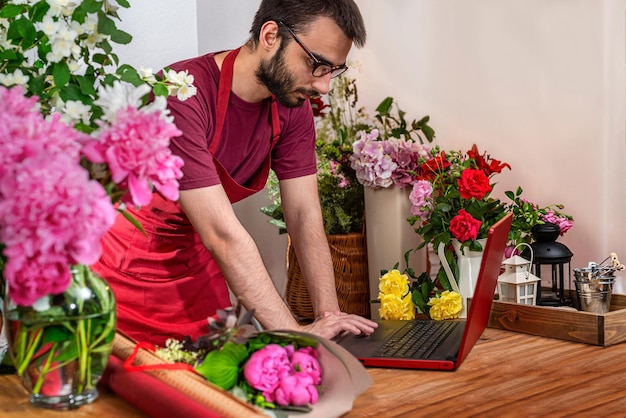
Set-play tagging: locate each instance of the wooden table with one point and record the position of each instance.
(506, 374)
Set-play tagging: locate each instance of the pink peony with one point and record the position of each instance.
(297, 389)
(31, 278)
(51, 214)
(305, 360)
(24, 133)
(266, 368)
(136, 149)
(421, 199)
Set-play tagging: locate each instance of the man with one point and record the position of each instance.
(169, 282)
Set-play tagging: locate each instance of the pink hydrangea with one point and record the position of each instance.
(406, 155)
(266, 368)
(297, 389)
(421, 199)
(51, 215)
(25, 133)
(136, 149)
(373, 166)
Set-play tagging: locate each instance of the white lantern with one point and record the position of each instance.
(517, 284)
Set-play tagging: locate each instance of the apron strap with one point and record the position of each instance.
(223, 94)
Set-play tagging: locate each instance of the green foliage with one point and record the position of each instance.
(527, 214)
(394, 125)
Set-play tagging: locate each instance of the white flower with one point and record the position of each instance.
(119, 95)
(63, 7)
(17, 77)
(185, 92)
(75, 111)
(181, 84)
(146, 75)
(42, 304)
(48, 26)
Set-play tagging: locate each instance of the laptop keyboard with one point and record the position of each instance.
(416, 339)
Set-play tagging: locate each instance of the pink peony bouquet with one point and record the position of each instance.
(52, 213)
(270, 369)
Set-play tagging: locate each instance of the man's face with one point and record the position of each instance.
(275, 75)
(288, 73)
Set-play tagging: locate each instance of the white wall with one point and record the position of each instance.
(537, 83)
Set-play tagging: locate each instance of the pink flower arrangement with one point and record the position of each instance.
(52, 214)
(383, 163)
(285, 375)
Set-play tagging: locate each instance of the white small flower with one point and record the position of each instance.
(119, 95)
(185, 92)
(147, 75)
(48, 26)
(76, 111)
(20, 78)
(42, 304)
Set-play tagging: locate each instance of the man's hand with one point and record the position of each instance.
(330, 324)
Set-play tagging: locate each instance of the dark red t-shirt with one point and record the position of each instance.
(246, 138)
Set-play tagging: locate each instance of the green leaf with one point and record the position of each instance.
(121, 37)
(123, 3)
(22, 30)
(106, 26)
(160, 90)
(221, 367)
(385, 106)
(61, 74)
(9, 11)
(39, 10)
(87, 85)
(510, 194)
(70, 92)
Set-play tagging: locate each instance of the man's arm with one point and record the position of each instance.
(303, 216)
(234, 250)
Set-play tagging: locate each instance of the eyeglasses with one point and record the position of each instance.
(320, 68)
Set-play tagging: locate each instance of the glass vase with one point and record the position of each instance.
(61, 349)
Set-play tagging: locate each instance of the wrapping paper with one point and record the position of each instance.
(167, 393)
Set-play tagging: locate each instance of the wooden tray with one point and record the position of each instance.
(586, 327)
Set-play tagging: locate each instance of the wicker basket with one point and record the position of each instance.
(349, 256)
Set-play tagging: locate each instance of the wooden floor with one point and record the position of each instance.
(507, 374)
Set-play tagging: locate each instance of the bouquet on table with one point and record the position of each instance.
(282, 371)
(450, 200)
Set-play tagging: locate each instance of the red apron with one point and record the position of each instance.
(166, 283)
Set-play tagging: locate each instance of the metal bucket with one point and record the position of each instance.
(593, 291)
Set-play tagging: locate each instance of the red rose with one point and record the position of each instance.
(473, 183)
(464, 227)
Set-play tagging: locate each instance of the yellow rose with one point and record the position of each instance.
(447, 305)
(394, 307)
(393, 283)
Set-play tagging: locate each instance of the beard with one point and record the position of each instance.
(276, 77)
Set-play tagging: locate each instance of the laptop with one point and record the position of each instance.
(448, 342)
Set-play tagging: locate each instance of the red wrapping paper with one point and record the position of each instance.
(149, 394)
